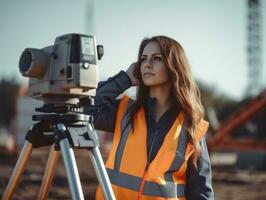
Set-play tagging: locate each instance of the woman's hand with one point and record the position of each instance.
(132, 72)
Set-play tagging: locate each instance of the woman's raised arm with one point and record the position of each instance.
(106, 102)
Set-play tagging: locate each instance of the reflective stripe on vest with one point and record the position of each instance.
(125, 130)
(181, 151)
(166, 175)
(169, 190)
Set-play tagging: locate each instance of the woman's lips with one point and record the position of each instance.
(148, 74)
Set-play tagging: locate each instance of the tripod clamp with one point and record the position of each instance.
(79, 130)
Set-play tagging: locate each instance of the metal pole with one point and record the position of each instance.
(70, 165)
(101, 173)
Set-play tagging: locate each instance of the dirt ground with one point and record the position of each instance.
(228, 183)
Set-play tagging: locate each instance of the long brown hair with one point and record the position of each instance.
(184, 91)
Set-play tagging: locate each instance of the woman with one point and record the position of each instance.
(158, 150)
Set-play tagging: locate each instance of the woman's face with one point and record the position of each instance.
(152, 68)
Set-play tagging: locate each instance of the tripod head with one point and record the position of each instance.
(79, 126)
(63, 112)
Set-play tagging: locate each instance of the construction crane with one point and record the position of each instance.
(254, 48)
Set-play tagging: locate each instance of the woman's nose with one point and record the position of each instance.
(148, 63)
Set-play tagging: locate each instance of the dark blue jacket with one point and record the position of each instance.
(199, 184)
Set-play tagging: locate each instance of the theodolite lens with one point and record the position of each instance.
(25, 61)
(33, 63)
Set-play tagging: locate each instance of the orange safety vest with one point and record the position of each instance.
(130, 175)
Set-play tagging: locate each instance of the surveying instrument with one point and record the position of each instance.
(64, 76)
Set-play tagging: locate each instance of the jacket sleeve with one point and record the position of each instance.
(199, 181)
(106, 102)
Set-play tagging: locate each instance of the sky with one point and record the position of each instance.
(213, 34)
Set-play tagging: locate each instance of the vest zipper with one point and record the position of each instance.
(146, 168)
(143, 181)
(152, 144)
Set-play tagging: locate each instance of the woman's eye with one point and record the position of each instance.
(143, 60)
(157, 58)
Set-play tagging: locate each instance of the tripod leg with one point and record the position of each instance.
(49, 173)
(18, 170)
(70, 163)
(101, 173)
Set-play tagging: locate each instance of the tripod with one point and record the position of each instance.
(69, 130)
